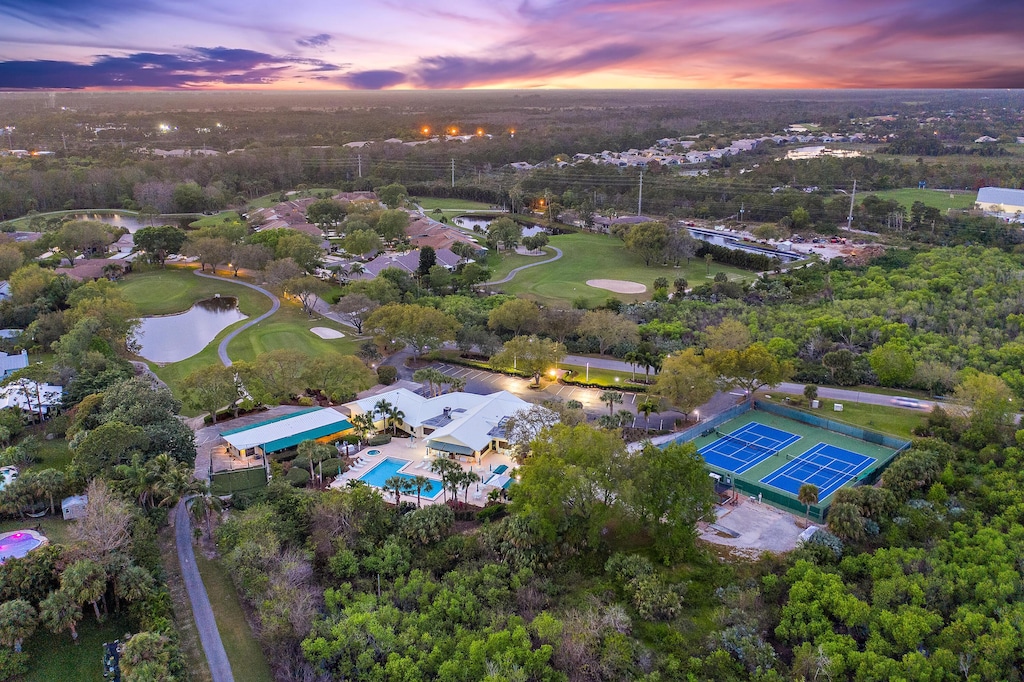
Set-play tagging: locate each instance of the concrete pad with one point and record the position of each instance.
(757, 527)
(327, 333)
(619, 286)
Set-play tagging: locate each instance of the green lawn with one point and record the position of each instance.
(928, 197)
(54, 658)
(430, 203)
(891, 420)
(173, 290)
(244, 653)
(273, 199)
(597, 256)
(504, 263)
(289, 329)
(55, 528)
(219, 219)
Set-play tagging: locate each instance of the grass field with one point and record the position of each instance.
(221, 218)
(929, 197)
(244, 653)
(273, 199)
(429, 204)
(894, 421)
(54, 658)
(174, 290)
(55, 528)
(289, 329)
(596, 256)
(503, 263)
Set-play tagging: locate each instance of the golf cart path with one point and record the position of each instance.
(512, 274)
(222, 349)
(209, 636)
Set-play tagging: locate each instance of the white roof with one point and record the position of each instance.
(261, 435)
(29, 396)
(11, 363)
(472, 418)
(1001, 195)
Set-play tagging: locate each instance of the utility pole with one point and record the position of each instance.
(453, 173)
(743, 207)
(853, 197)
(640, 199)
(359, 158)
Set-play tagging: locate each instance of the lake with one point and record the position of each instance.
(171, 338)
(130, 223)
(734, 243)
(469, 223)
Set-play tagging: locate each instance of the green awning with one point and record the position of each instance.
(449, 447)
(312, 434)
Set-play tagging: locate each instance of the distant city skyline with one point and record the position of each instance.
(435, 44)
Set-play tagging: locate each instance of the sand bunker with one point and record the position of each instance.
(619, 286)
(327, 333)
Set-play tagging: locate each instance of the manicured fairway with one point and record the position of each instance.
(289, 329)
(597, 256)
(174, 290)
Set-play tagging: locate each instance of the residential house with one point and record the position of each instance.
(12, 363)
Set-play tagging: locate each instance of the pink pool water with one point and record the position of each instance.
(18, 543)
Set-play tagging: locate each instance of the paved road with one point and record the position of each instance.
(220, 668)
(510, 275)
(222, 349)
(851, 396)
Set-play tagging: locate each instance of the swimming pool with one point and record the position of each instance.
(389, 467)
(373, 453)
(7, 476)
(18, 543)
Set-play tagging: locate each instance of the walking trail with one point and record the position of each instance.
(220, 667)
(222, 349)
(512, 274)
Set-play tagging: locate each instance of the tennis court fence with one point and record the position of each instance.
(778, 499)
(695, 432)
(831, 425)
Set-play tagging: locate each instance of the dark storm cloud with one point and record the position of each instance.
(373, 80)
(199, 66)
(319, 40)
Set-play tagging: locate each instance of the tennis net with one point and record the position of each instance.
(846, 475)
(745, 443)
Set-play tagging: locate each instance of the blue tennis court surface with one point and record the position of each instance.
(825, 466)
(746, 447)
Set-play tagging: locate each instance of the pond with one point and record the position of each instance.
(170, 338)
(734, 243)
(469, 223)
(130, 223)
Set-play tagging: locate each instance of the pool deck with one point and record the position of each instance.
(415, 452)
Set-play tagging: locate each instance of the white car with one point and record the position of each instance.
(907, 402)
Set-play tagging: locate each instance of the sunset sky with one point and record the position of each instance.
(443, 44)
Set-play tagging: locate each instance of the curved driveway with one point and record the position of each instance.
(510, 275)
(222, 349)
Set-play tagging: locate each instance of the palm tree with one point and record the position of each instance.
(61, 611)
(85, 580)
(467, 479)
(18, 620)
(421, 483)
(133, 583)
(807, 495)
(136, 479)
(52, 483)
(645, 408)
(363, 424)
(399, 484)
(395, 416)
(611, 397)
(382, 407)
(205, 505)
(446, 469)
(456, 384)
(633, 358)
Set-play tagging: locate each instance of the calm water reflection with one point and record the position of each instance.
(170, 338)
(129, 223)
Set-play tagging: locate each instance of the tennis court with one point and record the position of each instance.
(746, 447)
(826, 466)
